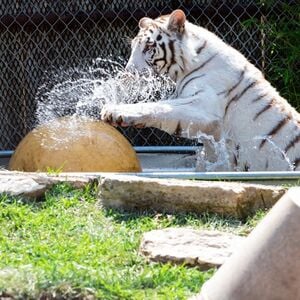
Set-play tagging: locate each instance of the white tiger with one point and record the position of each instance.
(218, 92)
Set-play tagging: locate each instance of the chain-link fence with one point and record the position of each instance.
(36, 36)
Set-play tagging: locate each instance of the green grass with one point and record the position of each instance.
(67, 247)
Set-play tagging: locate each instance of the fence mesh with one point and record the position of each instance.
(36, 36)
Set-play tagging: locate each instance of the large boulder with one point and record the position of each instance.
(75, 145)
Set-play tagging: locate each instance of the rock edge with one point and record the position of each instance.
(202, 248)
(175, 195)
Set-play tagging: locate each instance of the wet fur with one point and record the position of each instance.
(218, 92)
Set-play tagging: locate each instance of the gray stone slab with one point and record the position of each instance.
(34, 185)
(174, 195)
(21, 186)
(202, 248)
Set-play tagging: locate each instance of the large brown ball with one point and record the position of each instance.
(75, 145)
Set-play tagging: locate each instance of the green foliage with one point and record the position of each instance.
(53, 171)
(67, 247)
(284, 51)
(282, 46)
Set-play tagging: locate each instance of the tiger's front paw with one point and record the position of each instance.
(110, 114)
(118, 115)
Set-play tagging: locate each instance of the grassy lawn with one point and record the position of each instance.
(67, 247)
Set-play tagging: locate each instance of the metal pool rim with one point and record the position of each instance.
(239, 176)
(140, 149)
(264, 176)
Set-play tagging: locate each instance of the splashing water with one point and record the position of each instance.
(83, 91)
(277, 151)
(213, 156)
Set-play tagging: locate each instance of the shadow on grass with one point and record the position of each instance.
(152, 218)
(207, 220)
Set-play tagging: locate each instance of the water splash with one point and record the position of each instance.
(213, 156)
(82, 91)
(276, 150)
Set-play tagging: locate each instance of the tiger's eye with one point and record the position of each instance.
(149, 46)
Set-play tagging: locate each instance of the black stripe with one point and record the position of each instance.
(237, 148)
(148, 63)
(259, 97)
(279, 126)
(200, 67)
(292, 143)
(148, 45)
(236, 155)
(295, 163)
(235, 162)
(164, 57)
(237, 84)
(228, 104)
(172, 50)
(182, 60)
(198, 51)
(246, 167)
(268, 106)
(265, 108)
(178, 129)
(164, 31)
(176, 75)
(191, 79)
(237, 97)
(266, 165)
(206, 62)
(186, 103)
(196, 93)
(274, 130)
(227, 92)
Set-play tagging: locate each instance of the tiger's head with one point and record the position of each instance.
(157, 47)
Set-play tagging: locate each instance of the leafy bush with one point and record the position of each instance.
(283, 47)
(279, 24)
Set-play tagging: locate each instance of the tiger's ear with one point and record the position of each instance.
(176, 21)
(145, 22)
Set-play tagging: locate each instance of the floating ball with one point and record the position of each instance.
(75, 145)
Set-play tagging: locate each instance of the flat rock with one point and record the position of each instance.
(202, 248)
(21, 185)
(34, 185)
(175, 195)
